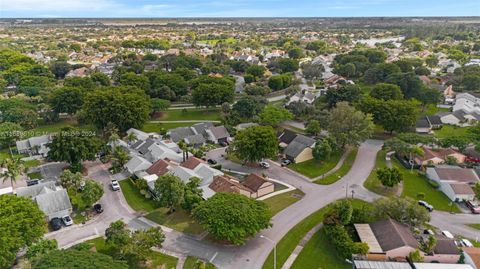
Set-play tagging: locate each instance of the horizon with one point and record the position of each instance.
(236, 9)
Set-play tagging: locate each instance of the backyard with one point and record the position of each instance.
(342, 171)
(314, 168)
(154, 260)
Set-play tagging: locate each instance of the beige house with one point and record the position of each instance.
(435, 157)
(300, 149)
(253, 186)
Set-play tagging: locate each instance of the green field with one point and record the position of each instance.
(449, 130)
(135, 199)
(156, 127)
(475, 226)
(48, 128)
(191, 114)
(288, 243)
(432, 109)
(279, 202)
(180, 220)
(191, 261)
(155, 259)
(314, 168)
(318, 253)
(344, 169)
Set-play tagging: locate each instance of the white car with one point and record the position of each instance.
(265, 165)
(115, 185)
(447, 234)
(67, 220)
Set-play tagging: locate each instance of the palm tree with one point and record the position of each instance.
(131, 137)
(184, 147)
(13, 169)
(112, 140)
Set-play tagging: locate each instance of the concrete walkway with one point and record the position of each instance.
(334, 169)
(291, 259)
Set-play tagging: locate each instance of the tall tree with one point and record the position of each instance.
(389, 177)
(232, 216)
(274, 115)
(21, 224)
(349, 126)
(255, 143)
(169, 191)
(66, 100)
(13, 169)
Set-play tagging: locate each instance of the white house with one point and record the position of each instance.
(468, 102)
(454, 181)
(36, 145)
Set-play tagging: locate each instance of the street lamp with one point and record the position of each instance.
(274, 250)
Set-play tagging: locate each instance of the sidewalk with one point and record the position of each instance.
(291, 259)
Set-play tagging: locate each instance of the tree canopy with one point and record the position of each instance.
(255, 143)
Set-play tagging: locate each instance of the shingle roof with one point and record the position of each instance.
(34, 190)
(53, 201)
(254, 182)
(191, 163)
(159, 168)
(465, 175)
(226, 183)
(392, 235)
(197, 139)
(180, 133)
(219, 132)
(462, 189)
(287, 136)
(446, 246)
(143, 149)
(294, 149)
(201, 127)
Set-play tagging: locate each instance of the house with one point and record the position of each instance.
(218, 135)
(472, 257)
(157, 151)
(253, 186)
(159, 168)
(300, 149)
(459, 118)
(137, 164)
(37, 145)
(438, 156)
(387, 239)
(425, 124)
(449, 95)
(52, 200)
(445, 251)
(365, 264)
(286, 137)
(79, 72)
(454, 181)
(141, 135)
(468, 102)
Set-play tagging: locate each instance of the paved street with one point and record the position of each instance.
(455, 223)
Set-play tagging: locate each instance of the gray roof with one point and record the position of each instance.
(298, 144)
(459, 114)
(179, 133)
(197, 139)
(219, 132)
(392, 235)
(201, 127)
(143, 149)
(34, 190)
(305, 140)
(53, 201)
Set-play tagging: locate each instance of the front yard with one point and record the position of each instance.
(154, 260)
(372, 183)
(180, 220)
(314, 168)
(279, 202)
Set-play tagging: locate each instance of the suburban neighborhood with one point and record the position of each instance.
(225, 142)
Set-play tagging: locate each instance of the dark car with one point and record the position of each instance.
(98, 208)
(56, 224)
(285, 162)
(211, 161)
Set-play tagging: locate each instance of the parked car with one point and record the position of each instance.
(285, 162)
(264, 165)
(428, 231)
(211, 162)
(56, 224)
(67, 221)
(31, 182)
(115, 185)
(466, 243)
(427, 206)
(98, 208)
(447, 234)
(223, 144)
(473, 206)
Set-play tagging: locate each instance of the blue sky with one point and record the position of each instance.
(236, 8)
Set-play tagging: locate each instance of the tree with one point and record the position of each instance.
(322, 150)
(132, 245)
(458, 141)
(389, 177)
(42, 247)
(409, 83)
(344, 211)
(430, 244)
(476, 189)
(313, 128)
(92, 192)
(312, 71)
(21, 224)
(347, 93)
(274, 115)
(286, 65)
(159, 104)
(386, 91)
(255, 143)
(9, 133)
(212, 94)
(71, 181)
(66, 100)
(415, 256)
(71, 258)
(193, 194)
(295, 53)
(403, 210)
(349, 126)
(13, 169)
(124, 107)
(78, 82)
(169, 192)
(72, 146)
(471, 82)
(119, 157)
(60, 69)
(100, 79)
(135, 80)
(428, 96)
(256, 71)
(247, 107)
(232, 217)
(276, 83)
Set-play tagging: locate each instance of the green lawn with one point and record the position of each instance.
(372, 183)
(414, 183)
(135, 199)
(34, 175)
(449, 130)
(191, 114)
(314, 168)
(180, 220)
(288, 243)
(319, 253)
(344, 169)
(156, 127)
(279, 202)
(432, 109)
(154, 260)
(47, 128)
(191, 261)
(475, 226)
